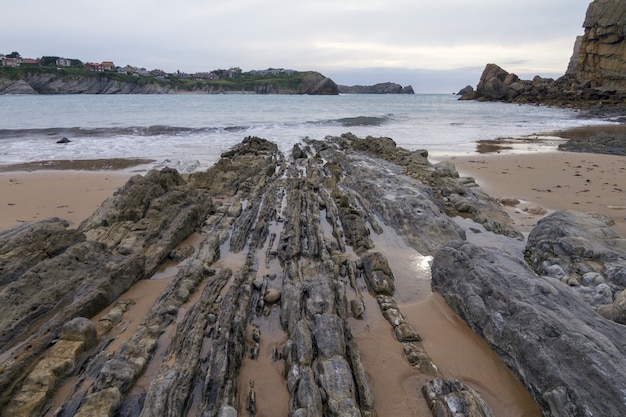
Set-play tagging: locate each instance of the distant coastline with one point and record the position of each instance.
(49, 80)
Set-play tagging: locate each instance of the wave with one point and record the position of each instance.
(164, 130)
(77, 132)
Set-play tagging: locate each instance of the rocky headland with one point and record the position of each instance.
(381, 88)
(50, 81)
(269, 270)
(596, 75)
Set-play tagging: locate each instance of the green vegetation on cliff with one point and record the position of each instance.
(285, 83)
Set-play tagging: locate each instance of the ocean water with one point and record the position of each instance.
(189, 132)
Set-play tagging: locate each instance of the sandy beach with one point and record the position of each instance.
(71, 195)
(542, 181)
(549, 181)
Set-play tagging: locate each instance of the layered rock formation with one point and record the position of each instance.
(281, 263)
(381, 88)
(497, 84)
(569, 356)
(586, 254)
(596, 72)
(266, 273)
(599, 55)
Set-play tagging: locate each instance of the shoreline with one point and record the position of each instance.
(529, 169)
(549, 181)
(484, 371)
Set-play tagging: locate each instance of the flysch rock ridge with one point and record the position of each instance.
(270, 254)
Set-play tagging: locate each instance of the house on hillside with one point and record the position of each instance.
(99, 67)
(92, 66)
(10, 62)
(30, 61)
(63, 63)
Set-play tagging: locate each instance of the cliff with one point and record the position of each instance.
(51, 81)
(596, 73)
(601, 56)
(381, 88)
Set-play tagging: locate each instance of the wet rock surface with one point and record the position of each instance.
(569, 356)
(261, 270)
(583, 252)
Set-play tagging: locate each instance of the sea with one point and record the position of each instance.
(189, 132)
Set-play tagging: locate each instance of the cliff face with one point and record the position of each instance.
(51, 84)
(312, 83)
(596, 74)
(601, 57)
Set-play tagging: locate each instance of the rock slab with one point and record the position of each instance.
(569, 357)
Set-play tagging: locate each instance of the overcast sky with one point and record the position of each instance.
(436, 46)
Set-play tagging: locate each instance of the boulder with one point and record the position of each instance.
(580, 250)
(453, 398)
(79, 329)
(378, 275)
(569, 357)
(465, 90)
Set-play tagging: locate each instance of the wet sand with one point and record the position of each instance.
(549, 181)
(70, 195)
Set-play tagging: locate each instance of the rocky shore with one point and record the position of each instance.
(595, 78)
(267, 273)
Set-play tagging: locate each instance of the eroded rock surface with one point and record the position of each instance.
(282, 261)
(582, 251)
(570, 357)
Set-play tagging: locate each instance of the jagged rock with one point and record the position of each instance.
(79, 329)
(465, 90)
(600, 56)
(619, 308)
(448, 398)
(329, 337)
(149, 215)
(310, 221)
(567, 356)
(336, 380)
(581, 250)
(380, 279)
(606, 143)
(357, 307)
(24, 246)
(595, 74)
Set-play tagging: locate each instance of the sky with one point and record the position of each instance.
(436, 46)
